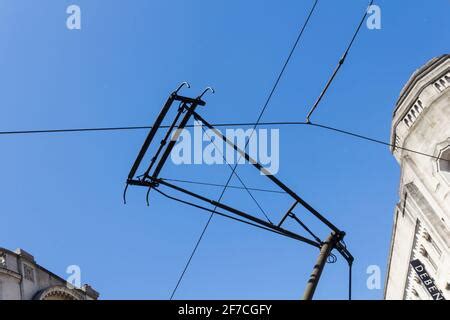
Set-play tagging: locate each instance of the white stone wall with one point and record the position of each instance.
(9, 277)
(21, 278)
(422, 217)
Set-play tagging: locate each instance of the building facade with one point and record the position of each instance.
(419, 260)
(21, 278)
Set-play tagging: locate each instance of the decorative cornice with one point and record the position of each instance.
(417, 76)
(424, 87)
(10, 273)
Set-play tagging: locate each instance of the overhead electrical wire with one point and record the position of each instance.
(222, 185)
(322, 94)
(43, 131)
(254, 127)
(339, 65)
(231, 124)
(356, 135)
(229, 216)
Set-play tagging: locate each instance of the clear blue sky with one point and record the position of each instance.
(61, 194)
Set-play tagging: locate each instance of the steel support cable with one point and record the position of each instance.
(128, 128)
(350, 274)
(236, 124)
(350, 265)
(222, 185)
(356, 135)
(339, 65)
(254, 127)
(317, 244)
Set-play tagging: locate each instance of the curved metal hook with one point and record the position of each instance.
(146, 197)
(185, 83)
(206, 90)
(125, 194)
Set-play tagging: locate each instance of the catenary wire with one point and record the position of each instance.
(339, 65)
(231, 124)
(222, 185)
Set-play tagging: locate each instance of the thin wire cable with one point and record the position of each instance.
(356, 135)
(256, 124)
(222, 185)
(217, 212)
(339, 65)
(43, 131)
(239, 178)
(127, 128)
(350, 265)
(231, 124)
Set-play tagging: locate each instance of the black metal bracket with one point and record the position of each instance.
(151, 180)
(187, 105)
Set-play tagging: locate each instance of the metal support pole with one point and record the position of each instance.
(325, 251)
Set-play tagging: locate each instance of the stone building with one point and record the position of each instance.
(419, 261)
(21, 278)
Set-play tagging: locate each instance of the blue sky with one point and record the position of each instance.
(61, 194)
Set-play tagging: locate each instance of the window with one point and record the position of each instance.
(28, 273)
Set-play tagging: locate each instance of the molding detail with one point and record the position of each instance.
(58, 293)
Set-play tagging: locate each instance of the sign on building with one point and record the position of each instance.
(427, 281)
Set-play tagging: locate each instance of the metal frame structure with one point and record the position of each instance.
(151, 180)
